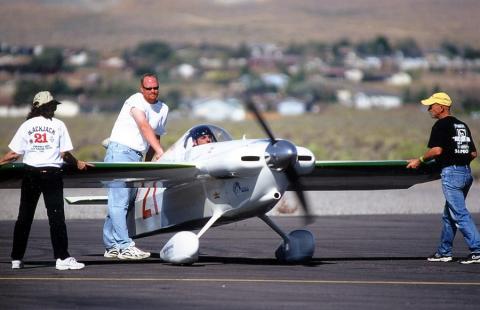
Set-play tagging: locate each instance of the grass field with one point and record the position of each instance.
(337, 133)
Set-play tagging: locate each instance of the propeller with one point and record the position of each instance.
(252, 107)
(283, 156)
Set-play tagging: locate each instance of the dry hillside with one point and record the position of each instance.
(111, 24)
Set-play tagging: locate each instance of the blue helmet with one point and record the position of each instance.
(202, 130)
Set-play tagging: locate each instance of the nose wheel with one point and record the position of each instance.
(297, 247)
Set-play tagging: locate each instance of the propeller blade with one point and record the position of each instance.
(294, 181)
(251, 106)
(290, 171)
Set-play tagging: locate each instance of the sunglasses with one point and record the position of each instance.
(150, 88)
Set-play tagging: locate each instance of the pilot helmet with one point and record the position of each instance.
(202, 130)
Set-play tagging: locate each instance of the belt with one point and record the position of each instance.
(457, 166)
(123, 145)
(42, 169)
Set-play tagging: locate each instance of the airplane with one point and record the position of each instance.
(196, 187)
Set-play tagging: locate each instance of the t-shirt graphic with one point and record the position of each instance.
(462, 139)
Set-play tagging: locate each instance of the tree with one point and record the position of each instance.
(471, 104)
(49, 61)
(25, 91)
(380, 46)
(173, 98)
(154, 51)
(241, 51)
(58, 86)
(149, 57)
(471, 53)
(450, 49)
(409, 48)
(339, 46)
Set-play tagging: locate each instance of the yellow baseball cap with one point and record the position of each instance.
(440, 98)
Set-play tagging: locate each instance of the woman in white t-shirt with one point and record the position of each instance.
(45, 145)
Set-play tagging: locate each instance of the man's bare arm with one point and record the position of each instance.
(147, 131)
(429, 154)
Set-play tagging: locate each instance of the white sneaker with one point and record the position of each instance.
(133, 252)
(17, 264)
(111, 253)
(68, 263)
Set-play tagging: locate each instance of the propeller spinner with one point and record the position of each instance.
(280, 155)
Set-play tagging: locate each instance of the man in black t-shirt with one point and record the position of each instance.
(451, 145)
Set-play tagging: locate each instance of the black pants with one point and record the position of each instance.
(36, 181)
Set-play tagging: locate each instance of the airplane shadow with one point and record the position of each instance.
(220, 260)
(203, 261)
(35, 264)
(223, 260)
(382, 258)
(315, 261)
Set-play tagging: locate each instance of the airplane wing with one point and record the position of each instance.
(366, 175)
(140, 174)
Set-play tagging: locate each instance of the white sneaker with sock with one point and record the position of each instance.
(68, 263)
(132, 252)
(111, 253)
(17, 264)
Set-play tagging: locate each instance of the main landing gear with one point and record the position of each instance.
(297, 247)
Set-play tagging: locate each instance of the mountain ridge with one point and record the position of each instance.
(118, 24)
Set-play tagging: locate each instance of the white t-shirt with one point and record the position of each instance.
(40, 141)
(125, 130)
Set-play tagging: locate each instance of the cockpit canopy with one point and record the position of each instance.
(216, 133)
(200, 131)
(186, 142)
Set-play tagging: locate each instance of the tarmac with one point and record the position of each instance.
(370, 254)
(360, 262)
(424, 198)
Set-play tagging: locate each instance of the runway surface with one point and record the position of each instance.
(424, 198)
(361, 262)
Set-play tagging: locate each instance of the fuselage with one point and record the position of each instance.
(233, 177)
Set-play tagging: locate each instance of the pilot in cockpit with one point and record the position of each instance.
(202, 135)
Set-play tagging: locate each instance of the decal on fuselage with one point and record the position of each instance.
(238, 189)
(149, 209)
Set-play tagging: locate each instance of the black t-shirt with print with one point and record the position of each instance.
(455, 139)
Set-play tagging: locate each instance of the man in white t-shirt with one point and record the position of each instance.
(45, 145)
(139, 126)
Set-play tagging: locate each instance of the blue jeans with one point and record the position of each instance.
(115, 230)
(456, 181)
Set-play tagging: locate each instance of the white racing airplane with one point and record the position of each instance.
(194, 187)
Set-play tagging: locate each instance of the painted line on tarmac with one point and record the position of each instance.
(281, 281)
